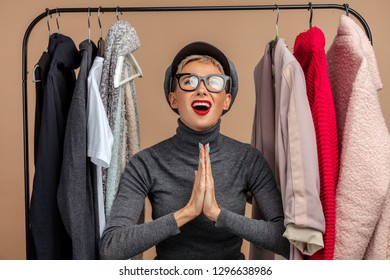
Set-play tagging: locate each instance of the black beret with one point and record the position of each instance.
(201, 48)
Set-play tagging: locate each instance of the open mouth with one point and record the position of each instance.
(201, 107)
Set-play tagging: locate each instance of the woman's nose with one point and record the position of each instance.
(202, 88)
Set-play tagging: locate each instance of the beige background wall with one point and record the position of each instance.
(241, 34)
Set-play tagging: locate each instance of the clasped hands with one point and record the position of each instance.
(202, 198)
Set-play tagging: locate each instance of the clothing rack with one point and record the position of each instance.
(48, 12)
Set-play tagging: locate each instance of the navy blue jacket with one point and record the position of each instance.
(40, 73)
(49, 236)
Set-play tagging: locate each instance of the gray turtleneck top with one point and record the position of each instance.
(165, 173)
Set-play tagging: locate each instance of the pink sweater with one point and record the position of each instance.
(309, 51)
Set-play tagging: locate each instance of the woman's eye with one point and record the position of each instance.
(193, 81)
(216, 82)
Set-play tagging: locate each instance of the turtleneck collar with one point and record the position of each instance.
(187, 139)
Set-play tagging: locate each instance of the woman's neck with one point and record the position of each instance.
(187, 139)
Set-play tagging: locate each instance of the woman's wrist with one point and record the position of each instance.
(213, 215)
(183, 216)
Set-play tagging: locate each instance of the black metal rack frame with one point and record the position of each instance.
(48, 12)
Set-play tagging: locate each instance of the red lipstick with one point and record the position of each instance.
(201, 107)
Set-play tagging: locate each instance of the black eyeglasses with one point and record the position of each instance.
(214, 82)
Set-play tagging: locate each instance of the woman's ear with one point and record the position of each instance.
(172, 100)
(227, 101)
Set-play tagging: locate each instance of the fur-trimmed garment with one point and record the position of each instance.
(365, 147)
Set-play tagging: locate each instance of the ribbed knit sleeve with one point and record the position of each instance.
(310, 53)
(123, 238)
(165, 173)
(266, 233)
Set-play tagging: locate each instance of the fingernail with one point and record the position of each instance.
(208, 147)
(200, 146)
(200, 161)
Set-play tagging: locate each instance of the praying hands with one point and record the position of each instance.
(202, 199)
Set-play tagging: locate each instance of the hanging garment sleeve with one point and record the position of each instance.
(296, 155)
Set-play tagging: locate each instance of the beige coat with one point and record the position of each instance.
(362, 206)
(283, 130)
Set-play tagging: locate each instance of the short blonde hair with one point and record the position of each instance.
(200, 58)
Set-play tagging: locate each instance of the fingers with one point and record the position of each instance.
(202, 167)
(202, 177)
(200, 154)
(203, 194)
(201, 162)
(209, 174)
(198, 190)
(210, 206)
(196, 181)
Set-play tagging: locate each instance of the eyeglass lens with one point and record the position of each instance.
(190, 82)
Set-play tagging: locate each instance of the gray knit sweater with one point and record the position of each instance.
(165, 173)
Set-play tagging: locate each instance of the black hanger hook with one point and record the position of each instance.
(57, 16)
(311, 14)
(346, 9)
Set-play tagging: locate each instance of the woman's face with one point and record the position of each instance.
(199, 109)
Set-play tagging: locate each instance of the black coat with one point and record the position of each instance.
(49, 236)
(40, 72)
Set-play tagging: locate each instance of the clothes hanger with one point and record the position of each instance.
(100, 51)
(311, 14)
(277, 22)
(276, 27)
(89, 24)
(34, 80)
(346, 9)
(117, 12)
(273, 43)
(119, 65)
(118, 70)
(47, 21)
(58, 25)
(33, 74)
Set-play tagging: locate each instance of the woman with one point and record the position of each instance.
(196, 215)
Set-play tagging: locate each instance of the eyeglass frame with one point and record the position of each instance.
(225, 78)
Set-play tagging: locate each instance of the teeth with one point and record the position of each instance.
(201, 104)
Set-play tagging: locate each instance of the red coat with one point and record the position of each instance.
(309, 51)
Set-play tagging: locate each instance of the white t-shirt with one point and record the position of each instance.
(99, 135)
